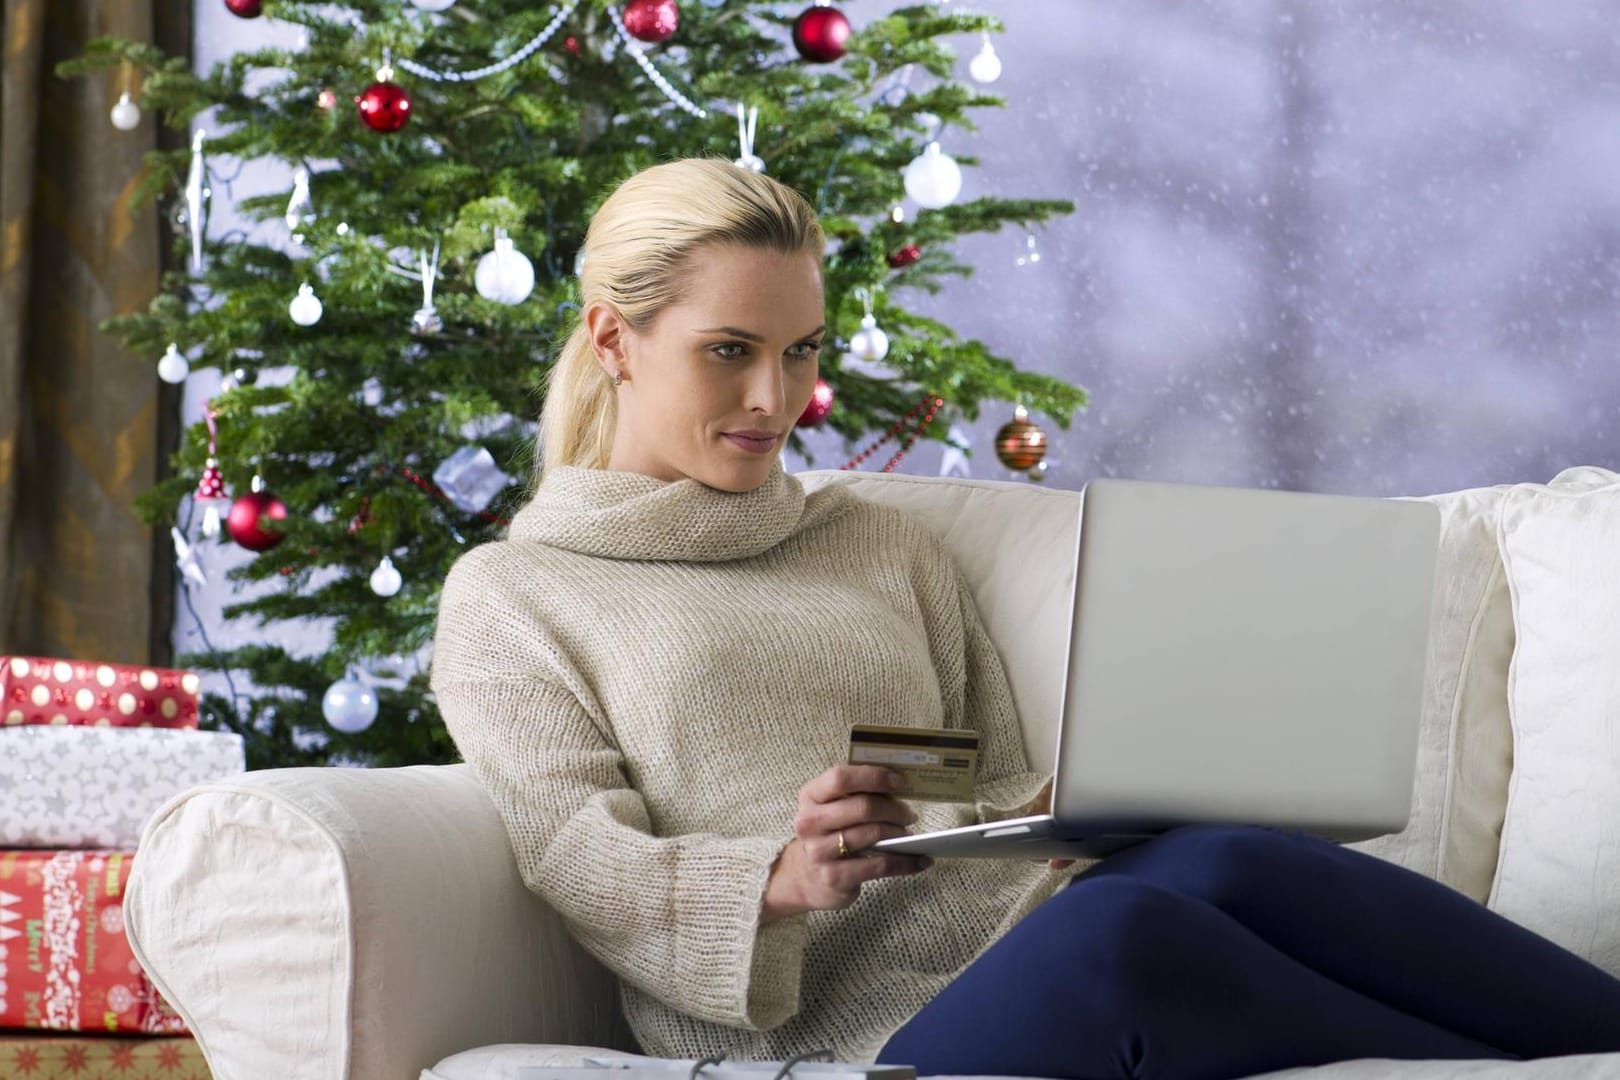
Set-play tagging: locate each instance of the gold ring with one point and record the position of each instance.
(843, 848)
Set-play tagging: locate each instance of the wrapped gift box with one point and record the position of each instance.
(44, 690)
(29, 1058)
(86, 787)
(65, 964)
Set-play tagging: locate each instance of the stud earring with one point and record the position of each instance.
(617, 378)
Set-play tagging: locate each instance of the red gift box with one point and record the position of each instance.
(41, 690)
(65, 963)
(28, 1057)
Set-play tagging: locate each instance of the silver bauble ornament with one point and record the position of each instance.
(869, 342)
(349, 705)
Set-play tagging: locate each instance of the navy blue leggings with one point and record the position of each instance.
(1214, 952)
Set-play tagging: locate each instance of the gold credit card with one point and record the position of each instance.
(939, 764)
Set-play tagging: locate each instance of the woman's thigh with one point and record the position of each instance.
(1119, 978)
(1390, 934)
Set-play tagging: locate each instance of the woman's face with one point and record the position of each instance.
(713, 387)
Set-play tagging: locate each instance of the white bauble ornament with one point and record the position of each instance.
(173, 368)
(386, 580)
(432, 5)
(126, 115)
(349, 705)
(505, 275)
(933, 178)
(869, 342)
(985, 67)
(305, 308)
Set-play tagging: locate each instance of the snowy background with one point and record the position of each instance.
(1357, 246)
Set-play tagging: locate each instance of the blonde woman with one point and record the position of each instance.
(654, 677)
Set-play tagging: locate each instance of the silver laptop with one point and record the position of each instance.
(1235, 656)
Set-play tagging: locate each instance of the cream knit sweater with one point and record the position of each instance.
(643, 675)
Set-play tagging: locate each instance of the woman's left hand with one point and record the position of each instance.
(1042, 804)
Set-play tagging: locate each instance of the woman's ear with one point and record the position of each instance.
(607, 334)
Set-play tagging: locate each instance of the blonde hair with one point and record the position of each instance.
(635, 253)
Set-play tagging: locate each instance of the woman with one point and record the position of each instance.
(654, 676)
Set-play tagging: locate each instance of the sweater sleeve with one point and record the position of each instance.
(678, 916)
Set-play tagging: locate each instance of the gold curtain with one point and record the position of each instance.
(84, 426)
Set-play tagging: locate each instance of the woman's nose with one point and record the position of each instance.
(766, 390)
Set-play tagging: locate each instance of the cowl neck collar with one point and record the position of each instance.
(628, 515)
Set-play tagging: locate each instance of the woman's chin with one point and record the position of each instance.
(741, 475)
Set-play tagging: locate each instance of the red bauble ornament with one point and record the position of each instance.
(905, 256)
(384, 106)
(821, 403)
(244, 9)
(243, 522)
(651, 21)
(571, 43)
(820, 34)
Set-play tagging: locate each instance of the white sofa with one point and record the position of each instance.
(371, 925)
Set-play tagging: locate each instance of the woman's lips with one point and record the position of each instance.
(753, 446)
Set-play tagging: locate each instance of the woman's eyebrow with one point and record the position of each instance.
(736, 331)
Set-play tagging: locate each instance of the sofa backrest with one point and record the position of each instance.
(1014, 543)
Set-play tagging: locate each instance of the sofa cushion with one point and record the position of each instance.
(502, 1062)
(1464, 739)
(1559, 869)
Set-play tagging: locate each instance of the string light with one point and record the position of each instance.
(528, 50)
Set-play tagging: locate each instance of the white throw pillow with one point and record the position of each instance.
(1464, 740)
(1559, 866)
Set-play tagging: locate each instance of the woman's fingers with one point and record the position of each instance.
(842, 780)
(857, 838)
(822, 818)
(841, 877)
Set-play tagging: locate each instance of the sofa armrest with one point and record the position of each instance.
(353, 924)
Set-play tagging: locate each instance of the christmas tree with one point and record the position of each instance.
(448, 157)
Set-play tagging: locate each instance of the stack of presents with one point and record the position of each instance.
(87, 753)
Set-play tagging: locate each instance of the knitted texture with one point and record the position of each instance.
(644, 673)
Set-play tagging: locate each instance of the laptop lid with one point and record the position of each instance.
(1245, 655)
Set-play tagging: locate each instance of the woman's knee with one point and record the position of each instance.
(1130, 933)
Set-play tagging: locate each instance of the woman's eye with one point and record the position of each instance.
(802, 351)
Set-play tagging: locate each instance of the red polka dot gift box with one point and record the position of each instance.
(46, 690)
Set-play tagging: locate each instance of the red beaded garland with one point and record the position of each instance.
(936, 404)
